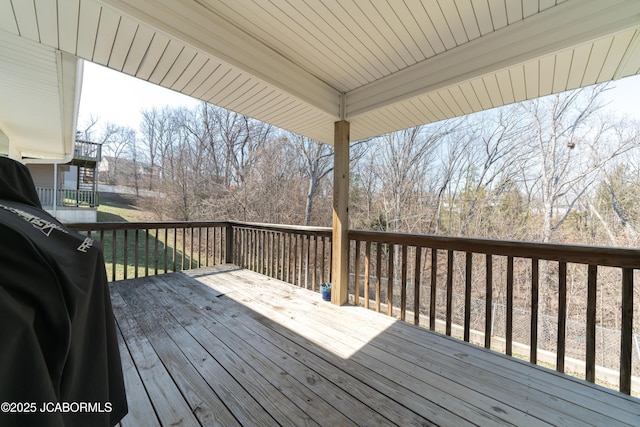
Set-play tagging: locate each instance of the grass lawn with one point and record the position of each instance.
(150, 253)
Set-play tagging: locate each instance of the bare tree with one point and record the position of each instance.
(317, 159)
(121, 139)
(158, 130)
(570, 147)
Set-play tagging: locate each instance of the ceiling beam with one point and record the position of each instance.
(196, 24)
(567, 25)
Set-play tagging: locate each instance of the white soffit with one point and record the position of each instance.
(39, 93)
(383, 65)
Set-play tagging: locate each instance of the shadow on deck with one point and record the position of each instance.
(228, 346)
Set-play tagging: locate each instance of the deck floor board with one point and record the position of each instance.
(227, 346)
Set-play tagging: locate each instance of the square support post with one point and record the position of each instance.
(340, 243)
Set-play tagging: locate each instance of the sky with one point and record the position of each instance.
(118, 98)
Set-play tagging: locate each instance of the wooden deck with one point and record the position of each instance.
(226, 346)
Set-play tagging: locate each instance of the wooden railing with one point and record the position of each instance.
(488, 292)
(487, 270)
(67, 197)
(142, 249)
(86, 150)
(298, 255)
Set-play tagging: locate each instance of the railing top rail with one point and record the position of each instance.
(581, 254)
(284, 227)
(98, 226)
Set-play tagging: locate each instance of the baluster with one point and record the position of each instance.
(330, 260)
(155, 253)
(403, 284)
(467, 295)
(367, 258)
(296, 258)
(175, 248)
(184, 252)
(113, 254)
(324, 249)
(136, 239)
(562, 315)
(390, 269)
(626, 339)
(314, 278)
(307, 247)
(509, 332)
(450, 256)
(356, 284)
(590, 357)
(199, 248)
(378, 274)
(125, 254)
(146, 252)
(535, 285)
(206, 248)
(416, 287)
(434, 279)
(488, 300)
(166, 249)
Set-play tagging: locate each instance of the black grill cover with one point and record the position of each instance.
(58, 342)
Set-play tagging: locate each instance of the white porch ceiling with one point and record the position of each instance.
(383, 65)
(39, 95)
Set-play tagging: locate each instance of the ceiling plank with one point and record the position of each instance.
(491, 83)
(578, 66)
(374, 57)
(469, 20)
(461, 99)
(195, 66)
(437, 18)
(201, 76)
(47, 17)
(532, 79)
(630, 64)
(415, 29)
(67, 16)
(561, 71)
(158, 44)
(107, 30)
(597, 58)
(88, 27)
(166, 61)
(483, 16)
(399, 31)
(138, 49)
(216, 75)
(514, 10)
(505, 85)
(498, 14)
(452, 19)
(562, 27)
(122, 43)
(619, 46)
(391, 59)
(418, 13)
(7, 18)
(529, 8)
(180, 66)
(518, 84)
(480, 91)
(547, 70)
(25, 14)
(194, 24)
